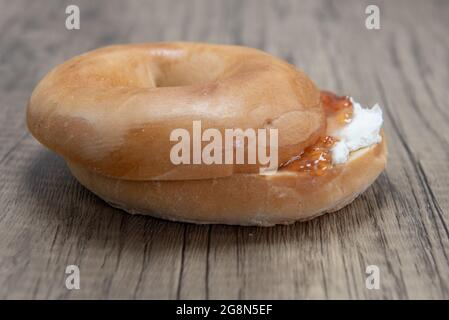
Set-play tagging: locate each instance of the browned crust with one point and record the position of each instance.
(243, 199)
(106, 110)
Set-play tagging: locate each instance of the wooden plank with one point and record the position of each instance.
(48, 221)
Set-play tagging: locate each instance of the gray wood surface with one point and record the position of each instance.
(48, 221)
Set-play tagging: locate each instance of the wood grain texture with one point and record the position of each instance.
(48, 221)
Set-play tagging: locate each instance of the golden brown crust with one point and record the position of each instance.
(110, 113)
(112, 110)
(244, 199)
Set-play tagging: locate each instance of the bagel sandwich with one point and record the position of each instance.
(113, 114)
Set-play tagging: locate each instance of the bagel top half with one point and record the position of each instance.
(112, 110)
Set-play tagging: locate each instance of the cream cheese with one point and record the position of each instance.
(363, 131)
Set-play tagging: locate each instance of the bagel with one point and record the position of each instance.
(111, 114)
(112, 108)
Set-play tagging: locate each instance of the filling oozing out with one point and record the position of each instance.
(349, 128)
(316, 159)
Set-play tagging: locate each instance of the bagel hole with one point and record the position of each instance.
(197, 69)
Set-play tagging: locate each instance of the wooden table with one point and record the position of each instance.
(48, 221)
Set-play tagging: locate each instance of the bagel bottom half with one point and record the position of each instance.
(242, 199)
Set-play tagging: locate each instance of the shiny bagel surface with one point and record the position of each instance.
(111, 110)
